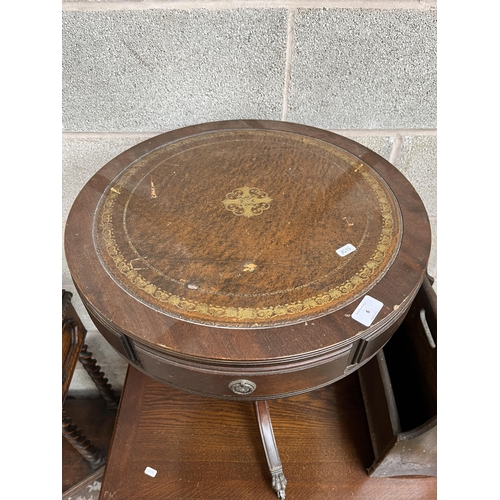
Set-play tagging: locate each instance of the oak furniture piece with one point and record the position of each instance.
(201, 448)
(248, 260)
(74, 349)
(78, 478)
(399, 388)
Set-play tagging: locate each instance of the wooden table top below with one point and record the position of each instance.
(206, 449)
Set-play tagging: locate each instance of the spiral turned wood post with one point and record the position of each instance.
(101, 382)
(80, 442)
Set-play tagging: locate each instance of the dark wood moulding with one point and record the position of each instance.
(207, 256)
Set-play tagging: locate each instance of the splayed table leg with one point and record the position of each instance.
(270, 448)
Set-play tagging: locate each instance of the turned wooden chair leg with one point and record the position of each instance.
(270, 448)
(80, 442)
(94, 370)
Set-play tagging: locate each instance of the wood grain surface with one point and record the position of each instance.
(207, 449)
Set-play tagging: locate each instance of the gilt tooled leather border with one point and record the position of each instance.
(279, 312)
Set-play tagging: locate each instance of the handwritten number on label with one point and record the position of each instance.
(367, 310)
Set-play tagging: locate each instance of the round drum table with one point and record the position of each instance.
(248, 260)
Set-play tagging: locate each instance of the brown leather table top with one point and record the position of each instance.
(243, 228)
(215, 240)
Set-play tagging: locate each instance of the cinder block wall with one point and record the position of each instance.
(133, 69)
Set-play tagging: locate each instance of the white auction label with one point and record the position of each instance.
(150, 471)
(346, 250)
(367, 310)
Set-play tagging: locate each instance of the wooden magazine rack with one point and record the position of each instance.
(400, 394)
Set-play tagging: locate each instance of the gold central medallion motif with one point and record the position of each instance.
(247, 201)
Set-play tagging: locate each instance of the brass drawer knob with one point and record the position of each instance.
(242, 387)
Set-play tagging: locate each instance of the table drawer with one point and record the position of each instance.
(243, 383)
